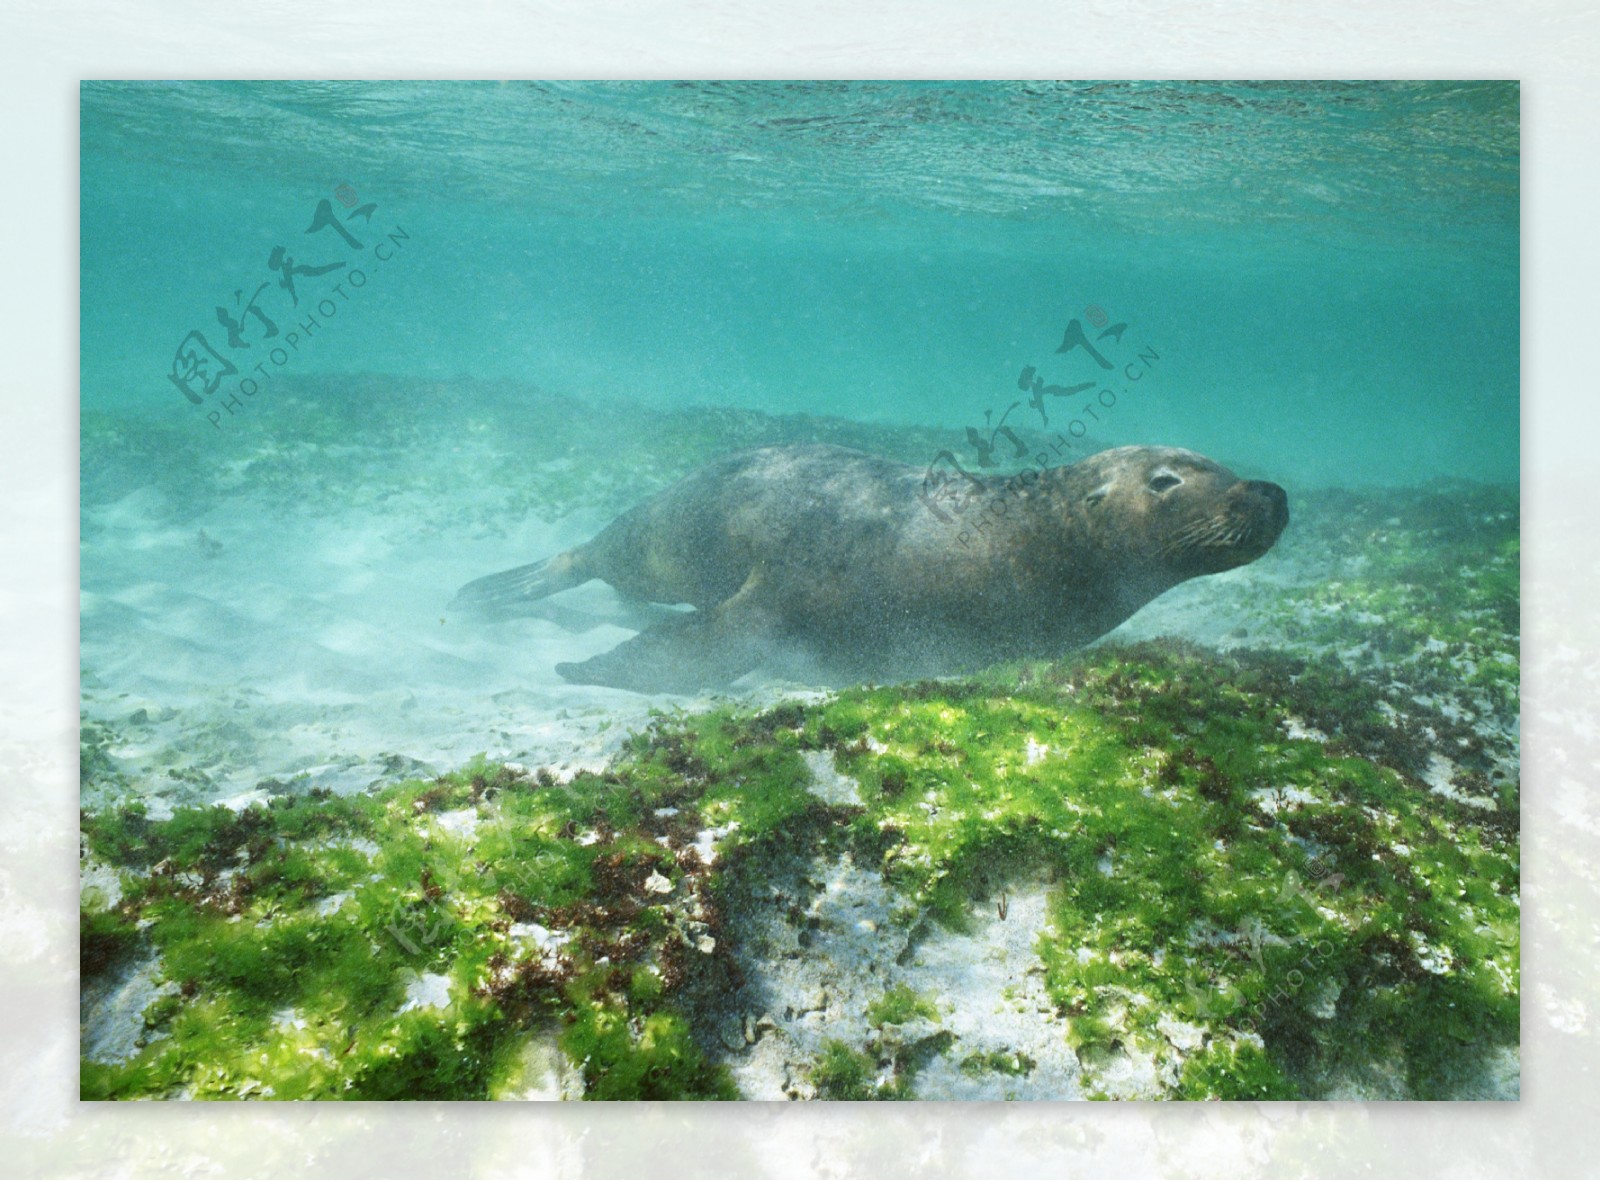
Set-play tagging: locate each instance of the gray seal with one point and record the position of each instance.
(830, 563)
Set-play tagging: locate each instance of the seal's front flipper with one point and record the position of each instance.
(700, 650)
(512, 591)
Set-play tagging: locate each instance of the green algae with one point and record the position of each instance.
(1181, 894)
(1014, 1064)
(1429, 600)
(887, 1069)
(900, 1005)
(294, 931)
(1255, 881)
(844, 1073)
(106, 936)
(1270, 872)
(1294, 906)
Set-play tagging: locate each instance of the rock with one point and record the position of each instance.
(1181, 1034)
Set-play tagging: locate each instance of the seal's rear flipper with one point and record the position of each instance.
(700, 650)
(512, 591)
(681, 656)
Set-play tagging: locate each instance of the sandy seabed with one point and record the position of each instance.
(288, 629)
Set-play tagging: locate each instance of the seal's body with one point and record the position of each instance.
(837, 557)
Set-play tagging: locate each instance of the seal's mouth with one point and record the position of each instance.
(1247, 525)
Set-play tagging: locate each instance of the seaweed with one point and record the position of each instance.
(1267, 869)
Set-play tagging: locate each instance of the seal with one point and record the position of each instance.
(828, 560)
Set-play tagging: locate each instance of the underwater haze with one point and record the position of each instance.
(349, 346)
(1330, 269)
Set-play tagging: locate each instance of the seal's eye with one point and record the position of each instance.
(1097, 495)
(1164, 482)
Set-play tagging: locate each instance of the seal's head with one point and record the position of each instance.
(1172, 514)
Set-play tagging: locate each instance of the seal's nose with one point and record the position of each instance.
(1277, 500)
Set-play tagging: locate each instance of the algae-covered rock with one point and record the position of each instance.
(1147, 870)
(1285, 864)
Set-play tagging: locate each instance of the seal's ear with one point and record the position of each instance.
(1098, 494)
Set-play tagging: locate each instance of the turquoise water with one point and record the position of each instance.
(1328, 271)
(349, 346)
